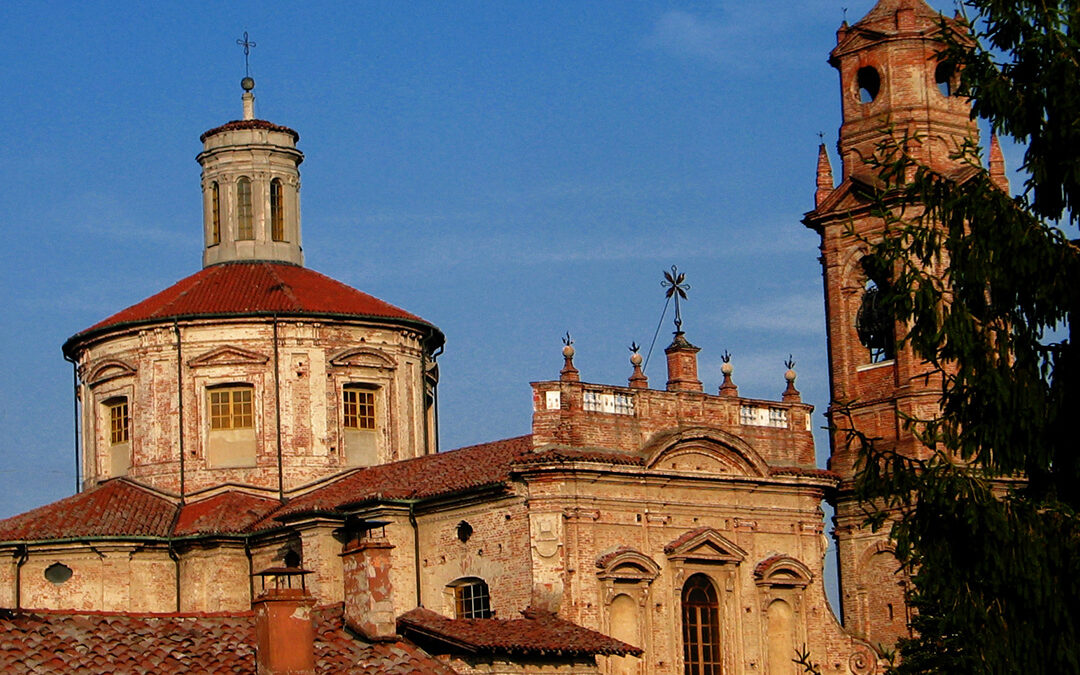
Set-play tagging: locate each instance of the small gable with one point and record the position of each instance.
(782, 570)
(627, 564)
(364, 357)
(704, 545)
(109, 369)
(228, 356)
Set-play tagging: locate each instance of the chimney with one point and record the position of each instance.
(682, 365)
(369, 593)
(284, 629)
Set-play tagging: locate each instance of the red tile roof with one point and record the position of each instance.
(108, 642)
(249, 124)
(226, 513)
(536, 633)
(120, 507)
(582, 455)
(115, 508)
(255, 289)
(431, 475)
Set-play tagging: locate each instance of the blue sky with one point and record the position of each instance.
(509, 171)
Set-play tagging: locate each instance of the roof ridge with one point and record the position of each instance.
(285, 287)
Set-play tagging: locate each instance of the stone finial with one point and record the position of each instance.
(569, 373)
(638, 380)
(791, 394)
(727, 387)
(824, 176)
(997, 164)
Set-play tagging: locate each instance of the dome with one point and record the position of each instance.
(251, 289)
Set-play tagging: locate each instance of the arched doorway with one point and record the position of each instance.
(701, 627)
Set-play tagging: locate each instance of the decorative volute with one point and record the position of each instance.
(251, 190)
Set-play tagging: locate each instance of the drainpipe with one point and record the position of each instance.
(416, 550)
(180, 415)
(277, 414)
(24, 555)
(75, 407)
(176, 562)
(251, 569)
(435, 397)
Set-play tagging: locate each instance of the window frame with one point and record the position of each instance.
(230, 413)
(472, 598)
(364, 414)
(118, 410)
(277, 210)
(215, 213)
(701, 654)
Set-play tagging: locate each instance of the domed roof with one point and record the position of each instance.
(241, 289)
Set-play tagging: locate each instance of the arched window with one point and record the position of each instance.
(869, 84)
(471, 598)
(215, 214)
(245, 229)
(701, 627)
(277, 211)
(874, 326)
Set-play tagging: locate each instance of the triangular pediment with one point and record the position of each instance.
(110, 369)
(362, 357)
(228, 356)
(705, 545)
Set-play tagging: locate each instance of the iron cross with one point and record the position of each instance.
(674, 283)
(247, 45)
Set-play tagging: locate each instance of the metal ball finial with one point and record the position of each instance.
(247, 84)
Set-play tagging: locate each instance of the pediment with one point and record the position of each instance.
(228, 356)
(109, 369)
(627, 564)
(362, 357)
(782, 570)
(705, 451)
(705, 545)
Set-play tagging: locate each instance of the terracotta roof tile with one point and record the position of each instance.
(254, 289)
(226, 513)
(249, 124)
(802, 471)
(115, 508)
(536, 633)
(443, 473)
(163, 644)
(581, 455)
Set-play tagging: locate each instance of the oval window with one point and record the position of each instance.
(58, 573)
(869, 83)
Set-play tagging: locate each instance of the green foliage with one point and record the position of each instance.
(988, 288)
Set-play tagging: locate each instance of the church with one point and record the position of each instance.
(263, 491)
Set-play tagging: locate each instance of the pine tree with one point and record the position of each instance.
(987, 287)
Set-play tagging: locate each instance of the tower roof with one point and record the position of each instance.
(249, 289)
(883, 17)
(250, 124)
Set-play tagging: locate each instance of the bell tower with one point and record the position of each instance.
(891, 86)
(251, 190)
